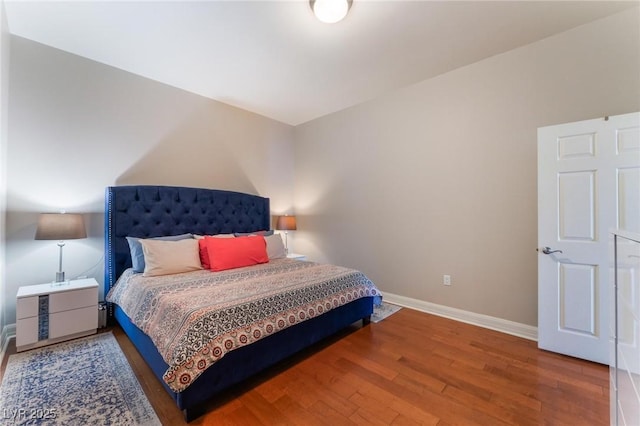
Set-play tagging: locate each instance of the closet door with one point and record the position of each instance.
(588, 184)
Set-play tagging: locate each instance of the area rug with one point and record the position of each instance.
(384, 310)
(81, 382)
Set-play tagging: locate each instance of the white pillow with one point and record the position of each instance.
(170, 257)
(275, 247)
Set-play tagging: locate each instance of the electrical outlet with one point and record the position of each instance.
(446, 279)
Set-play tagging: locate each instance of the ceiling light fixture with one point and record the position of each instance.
(330, 11)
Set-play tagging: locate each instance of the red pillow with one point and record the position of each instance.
(204, 253)
(229, 253)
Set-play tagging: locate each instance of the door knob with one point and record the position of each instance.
(547, 250)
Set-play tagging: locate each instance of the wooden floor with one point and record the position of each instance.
(412, 368)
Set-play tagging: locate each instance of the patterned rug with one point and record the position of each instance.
(383, 311)
(82, 382)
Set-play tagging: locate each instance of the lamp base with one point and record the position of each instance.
(286, 243)
(60, 277)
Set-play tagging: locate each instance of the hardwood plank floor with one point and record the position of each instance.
(410, 369)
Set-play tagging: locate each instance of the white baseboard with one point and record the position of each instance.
(505, 326)
(8, 333)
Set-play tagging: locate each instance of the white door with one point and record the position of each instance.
(588, 184)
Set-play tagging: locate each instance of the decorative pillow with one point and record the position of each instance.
(204, 253)
(246, 234)
(137, 257)
(170, 257)
(275, 246)
(229, 253)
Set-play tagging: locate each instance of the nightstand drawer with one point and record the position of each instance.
(27, 307)
(26, 331)
(67, 300)
(71, 322)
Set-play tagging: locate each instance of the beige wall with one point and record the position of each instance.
(78, 126)
(440, 177)
(4, 102)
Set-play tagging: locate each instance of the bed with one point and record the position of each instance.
(145, 211)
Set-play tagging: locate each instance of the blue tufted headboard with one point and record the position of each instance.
(151, 211)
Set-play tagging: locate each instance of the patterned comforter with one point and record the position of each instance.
(195, 318)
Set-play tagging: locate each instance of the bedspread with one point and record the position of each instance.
(195, 318)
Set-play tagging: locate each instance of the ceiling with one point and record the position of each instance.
(274, 58)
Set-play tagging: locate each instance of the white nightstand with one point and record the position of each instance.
(47, 313)
(297, 256)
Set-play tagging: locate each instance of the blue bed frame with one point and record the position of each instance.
(150, 211)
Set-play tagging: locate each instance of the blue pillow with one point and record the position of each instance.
(137, 256)
(245, 234)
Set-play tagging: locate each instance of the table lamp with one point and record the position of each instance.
(286, 223)
(61, 227)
